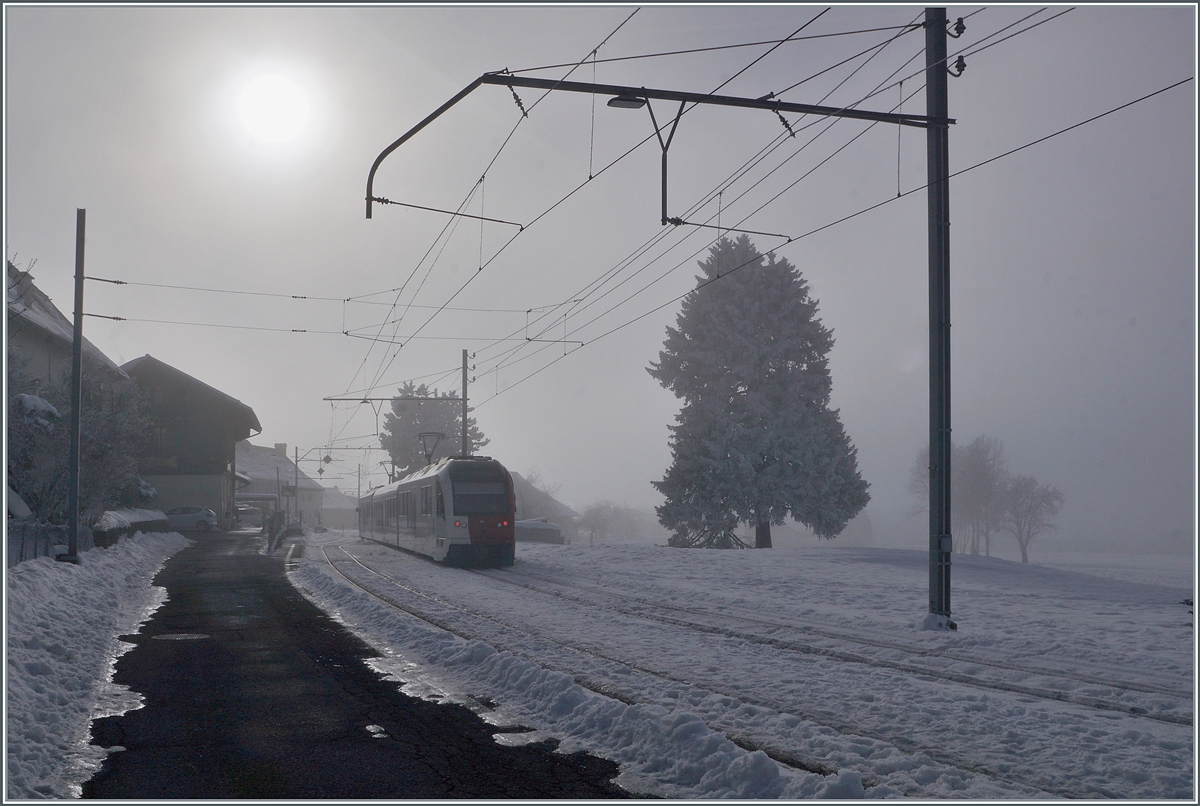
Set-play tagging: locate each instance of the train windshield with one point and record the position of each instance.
(479, 490)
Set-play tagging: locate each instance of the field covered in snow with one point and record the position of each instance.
(797, 672)
(789, 673)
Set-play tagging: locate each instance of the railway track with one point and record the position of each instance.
(504, 635)
(1097, 703)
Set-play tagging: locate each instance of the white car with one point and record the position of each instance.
(198, 518)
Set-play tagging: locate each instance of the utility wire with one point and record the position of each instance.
(794, 183)
(779, 141)
(716, 47)
(384, 367)
(847, 218)
(683, 112)
(965, 51)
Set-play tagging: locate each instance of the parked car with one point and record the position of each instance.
(198, 518)
(250, 517)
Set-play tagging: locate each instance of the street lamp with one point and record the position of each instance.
(627, 100)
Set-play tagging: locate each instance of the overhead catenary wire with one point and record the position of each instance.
(685, 110)
(726, 184)
(966, 50)
(878, 89)
(503, 247)
(384, 367)
(411, 305)
(720, 47)
(863, 211)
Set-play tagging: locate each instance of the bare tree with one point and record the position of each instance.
(605, 520)
(978, 477)
(981, 478)
(1029, 509)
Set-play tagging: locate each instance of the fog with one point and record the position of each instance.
(1072, 261)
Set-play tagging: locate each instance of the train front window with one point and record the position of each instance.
(480, 489)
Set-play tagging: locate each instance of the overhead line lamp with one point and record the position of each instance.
(627, 100)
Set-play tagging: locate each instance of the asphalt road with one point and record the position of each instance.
(275, 701)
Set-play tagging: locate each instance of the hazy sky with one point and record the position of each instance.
(1073, 262)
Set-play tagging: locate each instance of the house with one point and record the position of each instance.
(535, 504)
(40, 336)
(191, 460)
(272, 477)
(339, 511)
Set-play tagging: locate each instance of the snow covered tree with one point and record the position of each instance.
(755, 440)
(1029, 509)
(408, 419)
(114, 427)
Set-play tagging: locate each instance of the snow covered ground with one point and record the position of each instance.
(798, 672)
(790, 673)
(61, 627)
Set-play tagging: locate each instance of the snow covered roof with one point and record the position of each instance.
(149, 365)
(30, 304)
(527, 492)
(261, 464)
(336, 499)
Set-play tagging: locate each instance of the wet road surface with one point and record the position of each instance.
(253, 692)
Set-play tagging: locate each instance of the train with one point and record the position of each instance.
(460, 510)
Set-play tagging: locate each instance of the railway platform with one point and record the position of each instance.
(253, 692)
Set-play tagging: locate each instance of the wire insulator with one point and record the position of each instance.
(786, 125)
(517, 98)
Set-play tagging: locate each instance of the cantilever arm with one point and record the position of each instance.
(507, 79)
(403, 138)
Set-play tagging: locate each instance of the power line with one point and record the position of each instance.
(384, 367)
(658, 237)
(601, 280)
(964, 51)
(741, 172)
(502, 363)
(847, 218)
(718, 47)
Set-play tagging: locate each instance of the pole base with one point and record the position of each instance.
(68, 558)
(937, 621)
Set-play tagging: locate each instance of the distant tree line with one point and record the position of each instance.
(986, 499)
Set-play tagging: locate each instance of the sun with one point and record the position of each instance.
(274, 109)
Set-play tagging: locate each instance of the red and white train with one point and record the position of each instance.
(459, 511)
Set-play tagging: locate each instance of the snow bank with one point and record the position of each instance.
(672, 753)
(62, 626)
(743, 674)
(127, 518)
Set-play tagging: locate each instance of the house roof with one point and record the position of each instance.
(532, 494)
(261, 463)
(336, 499)
(148, 366)
(30, 304)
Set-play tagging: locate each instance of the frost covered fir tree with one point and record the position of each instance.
(755, 441)
(404, 424)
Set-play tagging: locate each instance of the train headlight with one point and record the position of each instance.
(458, 523)
(504, 523)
